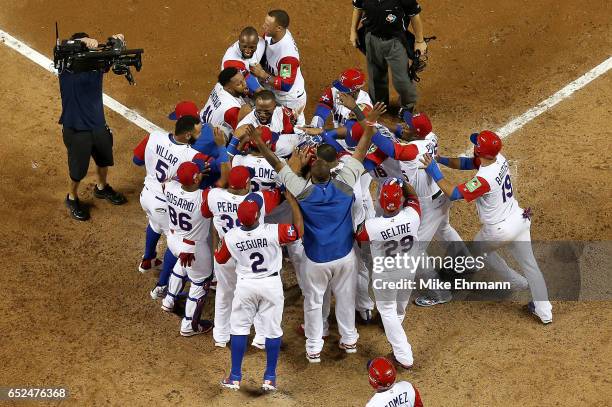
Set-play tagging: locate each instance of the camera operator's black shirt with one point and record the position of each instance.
(387, 18)
(82, 107)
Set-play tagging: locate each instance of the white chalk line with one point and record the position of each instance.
(46, 63)
(520, 121)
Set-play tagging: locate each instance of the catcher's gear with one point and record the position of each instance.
(486, 144)
(381, 373)
(197, 313)
(351, 80)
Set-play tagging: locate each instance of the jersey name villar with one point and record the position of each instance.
(257, 252)
(185, 212)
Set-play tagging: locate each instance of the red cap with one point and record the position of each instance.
(350, 80)
(381, 373)
(248, 210)
(239, 177)
(186, 172)
(185, 108)
(419, 122)
(486, 144)
(391, 195)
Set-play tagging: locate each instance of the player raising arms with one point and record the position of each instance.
(256, 248)
(394, 234)
(504, 222)
(187, 241)
(281, 71)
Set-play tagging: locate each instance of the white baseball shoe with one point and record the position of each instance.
(269, 385)
(159, 291)
(313, 357)
(348, 348)
(167, 305)
(220, 344)
(258, 345)
(230, 384)
(531, 309)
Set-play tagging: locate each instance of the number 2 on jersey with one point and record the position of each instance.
(507, 188)
(258, 260)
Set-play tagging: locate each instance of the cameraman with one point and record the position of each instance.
(85, 132)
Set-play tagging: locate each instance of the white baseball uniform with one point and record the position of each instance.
(233, 57)
(283, 61)
(265, 177)
(281, 123)
(503, 224)
(389, 237)
(188, 234)
(162, 156)
(222, 109)
(401, 394)
(340, 113)
(222, 206)
(259, 290)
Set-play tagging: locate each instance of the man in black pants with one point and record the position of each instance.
(85, 132)
(386, 22)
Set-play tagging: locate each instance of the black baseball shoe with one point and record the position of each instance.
(77, 211)
(116, 198)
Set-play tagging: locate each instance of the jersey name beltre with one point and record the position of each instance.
(397, 230)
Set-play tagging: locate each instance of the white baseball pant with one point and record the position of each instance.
(514, 234)
(340, 275)
(155, 207)
(258, 296)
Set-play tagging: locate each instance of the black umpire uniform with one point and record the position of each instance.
(386, 23)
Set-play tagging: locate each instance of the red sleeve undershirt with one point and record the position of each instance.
(362, 234)
(288, 121)
(222, 254)
(413, 202)
(272, 199)
(139, 151)
(327, 99)
(231, 116)
(417, 398)
(287, 233)
(285, 84)
(205, 209)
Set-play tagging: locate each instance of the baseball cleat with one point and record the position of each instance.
(313, 357)
(167, 307)
(426, 301)
(230, 384)
(148, 265)
(221, 344)
(258, 345)
(269, 385)
(398, 363)
(159, 291)
(203, 327)
(531, 309)
(365, 317)
(348, 348)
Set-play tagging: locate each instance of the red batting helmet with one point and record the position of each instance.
(381, 373)
(350, 81)
(391, 195)
(486, 144)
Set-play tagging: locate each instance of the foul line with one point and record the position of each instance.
(47, 64)
(518, 122)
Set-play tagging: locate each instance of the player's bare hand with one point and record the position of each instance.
(186, 259)
(347, 100)
(354, 39)
(378, 110)
(219, 136)
(119, 37)
(421, 47)
(90, 43)
(312, 131)
(243, 131)
(426, 160)
(258, 71)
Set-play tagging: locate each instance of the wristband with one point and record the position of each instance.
(443, 160)
(434, 171)
(466, 163)
(358, 113)
(232, 148)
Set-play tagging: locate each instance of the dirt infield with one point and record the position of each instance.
(76, 312)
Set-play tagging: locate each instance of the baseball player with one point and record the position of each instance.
(504, 222)
(226, 106)
(256, 249)
(394, 233)
(247, 51)
(435, 206)
(161, 154)
(326, 205)
(282, 72)
(279, 119)
(382, 375)
(350, 81)
(264, 177)
(221, 205)
(187, 241)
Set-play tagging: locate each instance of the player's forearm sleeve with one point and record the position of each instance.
(466, 163)
(445, 161)
(322, 111)
(252, 83)
(223, 157)
(329, 137)
(232, 148)
(456, 194)
(434, 171)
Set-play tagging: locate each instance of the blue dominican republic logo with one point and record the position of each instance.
(391, 18)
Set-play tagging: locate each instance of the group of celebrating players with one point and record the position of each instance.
(243, 180)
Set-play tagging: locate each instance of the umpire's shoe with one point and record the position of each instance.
(77, 211)
(116, 198)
